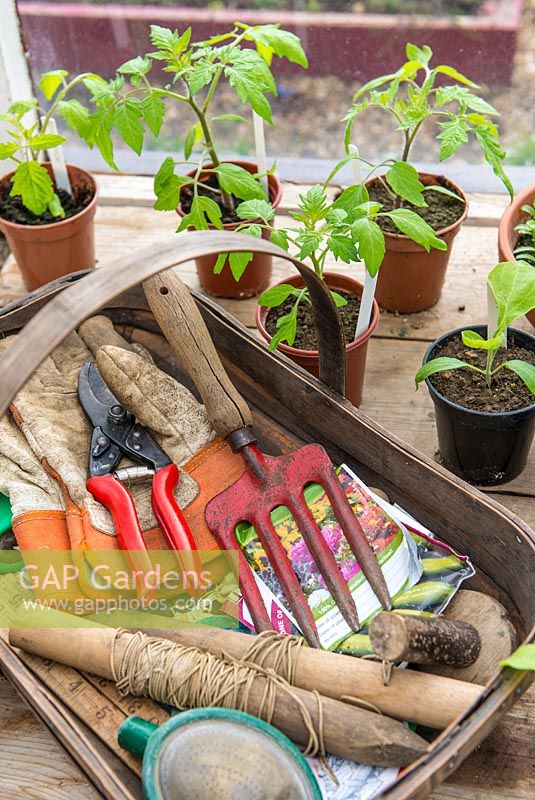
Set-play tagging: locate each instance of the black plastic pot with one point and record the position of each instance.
(485, 448)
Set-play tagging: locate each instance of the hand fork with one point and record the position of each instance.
(268, 481)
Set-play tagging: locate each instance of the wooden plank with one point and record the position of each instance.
(34, 764)
(137, 190)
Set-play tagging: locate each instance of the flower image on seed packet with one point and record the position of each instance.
(394, 548)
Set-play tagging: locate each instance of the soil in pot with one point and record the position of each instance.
(12, 209)
(186, 199)
(441, 212)
(469, 389)
(306, 336)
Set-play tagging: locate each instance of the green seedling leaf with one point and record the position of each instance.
(55, 207)
(230, 118)
(237, 181)
(256, 209)
(238, 263)
(153, 110)
(314, 203)
(454, 134)
(276, 295)
(167, 186)
(442, 364)
(21, 107)
(251, 79)
(451, 72)
(513, 285)
(46, 141)
(136, 66)
(8, 149)
(129, 126)
(371, 243)
(422, 55)
(339, 300)
(413, 226)
(477, 342)
(280, 238)
(32, 183)
(524, 370)
(286, 329)
(201, 76)
(404, 180)
(220, 263)
(352, 197)
(342, 248)
(193, 136)
(76, 116)
(523, 658)
(282, 43)
(49, 82)
(442, 190)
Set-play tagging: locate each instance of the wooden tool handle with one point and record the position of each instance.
(184, 328)
(424, 640)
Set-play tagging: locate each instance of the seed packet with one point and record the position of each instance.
(422, 574)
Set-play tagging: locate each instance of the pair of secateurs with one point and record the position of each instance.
(116, 434)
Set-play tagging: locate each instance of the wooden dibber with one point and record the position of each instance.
(348, 731)
(407, 696)
(424, 640)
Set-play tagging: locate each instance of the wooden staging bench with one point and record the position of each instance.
(503, 767)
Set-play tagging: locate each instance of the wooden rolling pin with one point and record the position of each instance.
(417, 697)
(348, 731)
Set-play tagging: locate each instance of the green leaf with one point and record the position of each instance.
(339, 300)
(351, 197)
(477, 342)
(136, 66)
(8, 149)
(280, 238)
(193, 136)
(413, 226)
(371, 243)
(46, 141)
(153, 110)
(524, 370)
(128, 124)
(167, 186)
(220, 263)
(239, 182)
(286, 329)
(421, 54)
(308, 242)
(342, 248)
(203, 211)
(32, 183)
(404, 180)
(451, 72)
(276, 295)
(256, 209)
(282, 43)
(238, 263)
(454, 134)
(55, 207)
(251, 79)
(200, 76)
(100, 132)
(442, 190)
(494, 155)
(21, 107)
(442, 364)
(168, 41)
(513, 285)
(523, 658)
(49, 82)
(230, 118)
(478, 104)
(314, 203)
(75, 115)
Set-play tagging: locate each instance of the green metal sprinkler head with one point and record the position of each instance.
(218, 753)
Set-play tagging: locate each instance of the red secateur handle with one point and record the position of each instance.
(113, 494)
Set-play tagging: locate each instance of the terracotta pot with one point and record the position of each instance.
(257, 276)
(410, 279)
(507, 236)
(355, 351)
(46, 252)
